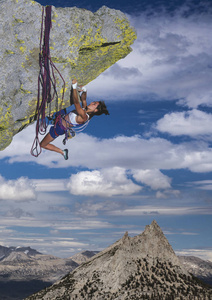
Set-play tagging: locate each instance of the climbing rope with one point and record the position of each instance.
(46, 81)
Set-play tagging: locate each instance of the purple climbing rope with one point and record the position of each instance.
(46, 80)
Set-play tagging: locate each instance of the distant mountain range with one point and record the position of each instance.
(198, 267)
(6, 251)
(132, 267)
(24, 271)
(28, 264)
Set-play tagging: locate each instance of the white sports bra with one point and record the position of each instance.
(72, 117)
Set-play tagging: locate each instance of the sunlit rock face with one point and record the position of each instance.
(82, 45)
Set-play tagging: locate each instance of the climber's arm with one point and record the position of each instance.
(79, 109)
(83, 97)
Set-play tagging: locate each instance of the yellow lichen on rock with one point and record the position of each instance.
(98, 52)
(6, 133)
(23, 91)
(128, 33)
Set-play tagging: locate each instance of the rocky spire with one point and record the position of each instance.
(132, 268)
(153, 244)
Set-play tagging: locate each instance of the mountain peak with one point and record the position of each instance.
(7, 251)
(153, 227)
(155, 224)
(131, 268)
(125, 237)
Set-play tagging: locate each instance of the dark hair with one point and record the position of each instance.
(101, 109)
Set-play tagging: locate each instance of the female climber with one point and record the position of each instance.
(75, 119)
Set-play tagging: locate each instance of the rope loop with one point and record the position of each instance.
(46, 80)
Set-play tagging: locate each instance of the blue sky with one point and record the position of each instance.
(150, 159)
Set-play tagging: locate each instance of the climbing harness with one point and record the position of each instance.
(46, 81)
(70, 132)
(70, 129)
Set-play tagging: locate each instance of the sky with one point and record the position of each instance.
(150, 159)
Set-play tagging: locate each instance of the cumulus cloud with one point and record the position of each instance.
(122, 73)
(192, 123)
(135, 152)
(19, 149)
(167, 61)
(153, 178)
(20, 189)
(105, 182)
(138, 153)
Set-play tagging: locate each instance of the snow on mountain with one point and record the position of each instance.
(198, 267)
(25, 263)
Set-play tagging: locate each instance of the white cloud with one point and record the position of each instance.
(17, 190)
(192, 123)
(5, 232)
(56, 245)
(153, 178)
(49, 185)
(91, 208)
(105, 182)
(179, 232)
(160, 210)
(67, 243)
(202, 184)
(25, 221)
(133, 152)
(82, 224)
(167, 193)
(21, 144)
(46, 219)
(167, 62)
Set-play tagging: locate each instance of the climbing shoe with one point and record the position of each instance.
(65, 154)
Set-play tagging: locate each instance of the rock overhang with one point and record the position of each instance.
(82, 44)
